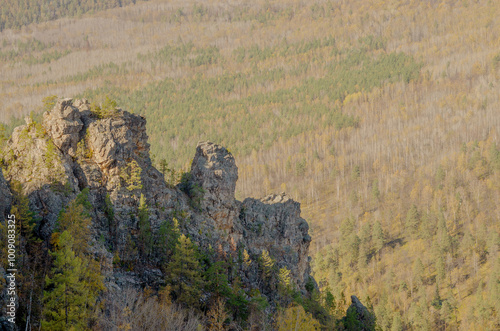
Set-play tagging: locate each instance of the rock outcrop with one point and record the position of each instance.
(63, 124)
(358, 317)
(74, 149)
(214, 171)
(274, 224)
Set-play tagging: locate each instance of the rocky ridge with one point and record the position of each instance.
(74, 149)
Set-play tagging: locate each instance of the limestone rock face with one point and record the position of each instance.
(274, 224)
(63, 124)
(76, 149)
(33, 159)
(117, 140)
(214, 171)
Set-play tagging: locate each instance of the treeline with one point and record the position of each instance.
(15, 14)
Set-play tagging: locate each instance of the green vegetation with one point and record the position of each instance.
(69, 298)
(192, 189)
(145, 234)
(200, 108)
(386, 132)
(106, 109)
(16, 14)
(131, 175)
(75, 281)
(185, 274)
(49, 102)
(98, 71)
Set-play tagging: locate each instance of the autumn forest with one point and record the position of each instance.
(380, 117)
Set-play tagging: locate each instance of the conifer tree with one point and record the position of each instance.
(362, 256)
(375, 190)
(166, 239)
(20, 208)
(131, 174)
(397, 325)
(443, 235)
(440, 269)
(267, 264)
(412, 221)
(418, 272)
(217, 282)
(76, 220)
(184, 273)
(69, 297)
(145, 236)
(378, 236)
(32, 257)
(364, 245)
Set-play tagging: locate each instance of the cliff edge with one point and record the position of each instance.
(106, 152)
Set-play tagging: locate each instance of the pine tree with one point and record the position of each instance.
(76, 220)
(145, 235)
(446, 312)
(32, 257)
(267, 264)
(184, 273)
(365, 244)
(131, 174)
(412, 221)
(69, 296)
(216, 280)
(362, 256)
(436, 300)
(443, 235)
(349, 242)
(397, 324)
(440, 269)
(25, 222)
(166, 239)
(418, 272)
(378, 236)
(375, 190)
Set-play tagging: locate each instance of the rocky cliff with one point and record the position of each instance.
(76, 148)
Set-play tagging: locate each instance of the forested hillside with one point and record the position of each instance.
(16, 14)
(381, 118)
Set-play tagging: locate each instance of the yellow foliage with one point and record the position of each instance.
(295, 318)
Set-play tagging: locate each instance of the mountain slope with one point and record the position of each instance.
(371, 114)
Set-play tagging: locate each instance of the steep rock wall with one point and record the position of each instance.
(75, 148)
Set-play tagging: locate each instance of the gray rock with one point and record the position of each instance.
(63, 124)
(214, 171)
(358, 317)
(97, 153)
(274, 224)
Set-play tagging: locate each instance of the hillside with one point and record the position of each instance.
(97, 223)
(381, 118)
